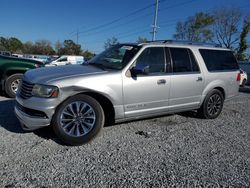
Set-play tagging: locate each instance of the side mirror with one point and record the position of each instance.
(140, 69)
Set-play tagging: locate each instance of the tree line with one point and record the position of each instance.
(43, 47)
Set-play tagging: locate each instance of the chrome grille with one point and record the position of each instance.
(25, 90)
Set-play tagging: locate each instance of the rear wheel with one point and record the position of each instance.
(78, 120)
(212, 105)
(11, 84)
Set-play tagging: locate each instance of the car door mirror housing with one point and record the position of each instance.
(141, 69)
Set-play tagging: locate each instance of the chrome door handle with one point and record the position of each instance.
(162, 81)
(199, 79)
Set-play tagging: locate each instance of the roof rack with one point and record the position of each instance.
(187, 42)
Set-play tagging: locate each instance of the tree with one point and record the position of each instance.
(110, 42)
(88, 55)
(4, 44)
(195, 28)
(69, 48)
(28, 47)
(15, 44)
(43, 47)
(58, 46)
(226, 24)
(141, 40)
(243, 41)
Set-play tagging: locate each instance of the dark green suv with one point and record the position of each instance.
(12, 70)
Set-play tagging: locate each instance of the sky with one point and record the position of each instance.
(97, 20)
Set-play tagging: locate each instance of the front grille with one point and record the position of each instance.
(25, 90)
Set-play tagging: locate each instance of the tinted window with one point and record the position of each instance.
(183, 60)
(154, 57)
(219, 60)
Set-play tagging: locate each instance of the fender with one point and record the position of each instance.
(214, 84)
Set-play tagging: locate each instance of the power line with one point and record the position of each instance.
(118, 19)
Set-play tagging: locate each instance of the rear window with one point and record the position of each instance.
(219, 60)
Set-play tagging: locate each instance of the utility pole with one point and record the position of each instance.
(155, 20)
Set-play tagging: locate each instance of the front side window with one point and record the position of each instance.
(154, 58)
(116, 57)
(63, 59)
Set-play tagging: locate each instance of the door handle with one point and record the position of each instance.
(161, 81)
(199, 79)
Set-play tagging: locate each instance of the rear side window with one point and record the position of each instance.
(183, 60)
(218, 60)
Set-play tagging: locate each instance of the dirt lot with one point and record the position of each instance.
(175, 150)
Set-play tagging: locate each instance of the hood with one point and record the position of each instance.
(48, 74)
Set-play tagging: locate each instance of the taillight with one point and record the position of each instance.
(238, 77)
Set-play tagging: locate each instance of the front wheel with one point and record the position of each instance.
(78, 120)
(11, 84)
(212, 105)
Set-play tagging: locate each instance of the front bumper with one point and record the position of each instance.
(35, 113)
(31, 123)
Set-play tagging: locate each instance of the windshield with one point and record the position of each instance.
(116, 57)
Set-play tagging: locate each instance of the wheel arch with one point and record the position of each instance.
(105, 102)
(217, 84)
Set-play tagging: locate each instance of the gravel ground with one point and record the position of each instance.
(170, 151)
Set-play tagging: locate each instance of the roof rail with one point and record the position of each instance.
(187, 42)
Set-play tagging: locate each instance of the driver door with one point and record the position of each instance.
(147, 93)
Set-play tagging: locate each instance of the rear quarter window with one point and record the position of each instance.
(219, 60)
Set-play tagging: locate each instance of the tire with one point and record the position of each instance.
(243, 83)
(212, 105)
(78, 120)
(11, 84)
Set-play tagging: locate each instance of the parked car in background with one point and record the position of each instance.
(12, 70)
(127, 82)
(67, 60)
(243, 78)
(42, 58)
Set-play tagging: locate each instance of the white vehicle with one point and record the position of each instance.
(67, 60)
(243, 78)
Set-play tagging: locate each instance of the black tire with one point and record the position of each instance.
(212, 105)
(9, 88)
(73, 130)
(243, 83)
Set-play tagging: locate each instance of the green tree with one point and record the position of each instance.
(4, 44)
(69, 48)
(243, 41)
(195, 28)
(110, 42)
(14, 45)
(88, 55)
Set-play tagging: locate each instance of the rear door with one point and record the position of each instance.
(187, 81)
(147, 94)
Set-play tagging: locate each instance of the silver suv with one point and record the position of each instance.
(127, 82)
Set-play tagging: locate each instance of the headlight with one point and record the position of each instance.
(45, 91)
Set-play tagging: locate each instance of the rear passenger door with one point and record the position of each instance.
(187, 81)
